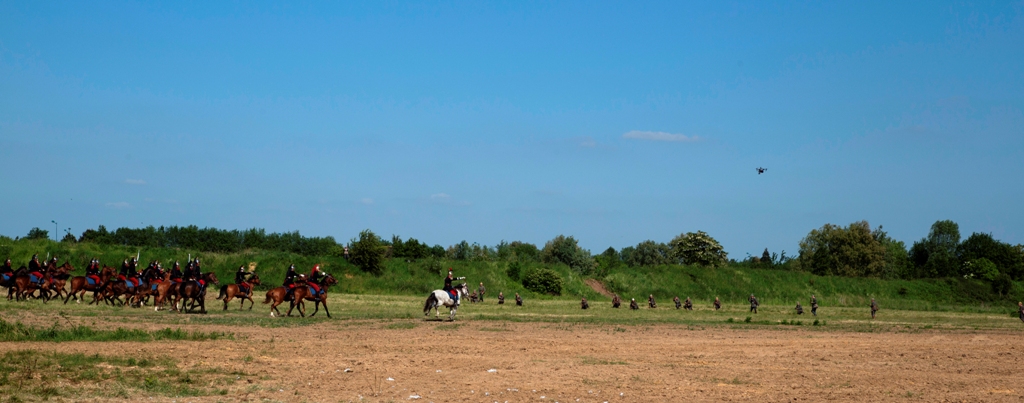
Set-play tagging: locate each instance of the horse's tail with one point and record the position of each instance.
(267, 301)
(431, 301)
(223, 292)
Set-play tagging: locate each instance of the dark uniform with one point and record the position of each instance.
(480, 292)
(519, 300)
(650, 302)
(688, 304)
(176, 274)
(616, 301)
(799, 309)
(718, 304)
(93, 269)
(289, 277)
(501, 298)
(33, 265)
(814, 306)
(633, 305)
(240, 277)
(584, 304)
(874, 308)
(679, 304)
(753, 303)
(6, 272)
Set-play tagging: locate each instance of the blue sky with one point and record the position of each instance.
(612, 122)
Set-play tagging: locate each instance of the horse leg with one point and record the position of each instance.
(226, 302)
(325, 308)
(316, 306)
(291, 305)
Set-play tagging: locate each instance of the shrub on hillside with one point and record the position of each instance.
(36, 233)
(648, 253)
(833, 250)
(367, 253)
(514, 269)
(699, 249)
(565, 250)
(1001, 284)
(542, 281)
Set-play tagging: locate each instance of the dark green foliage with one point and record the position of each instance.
(607, 261)
(1004, 256)
(460, 251)
(648, 253)
(1001, 284)
(565, 250)
(411, 249)
(36, 233)
(542, 281)
(69, 238)
(522, 251)
(852, 251)
(211, 239)
(897, 261)
(367, 252)
(514, 270)
(935, 256)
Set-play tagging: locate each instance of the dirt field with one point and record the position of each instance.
(375, 360)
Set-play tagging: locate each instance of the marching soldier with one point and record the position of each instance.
(718, 304)
(799, 309)
(584, 304)
(814, 305)
(519, 300)
(650, 301)
(679, 304)
(616, 301)
(874, 308)
(501, 298)
(753, 303)
(480, 292)
(633, 305)
(688, 305)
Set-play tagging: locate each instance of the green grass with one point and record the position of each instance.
(20, 332)
(45, 375)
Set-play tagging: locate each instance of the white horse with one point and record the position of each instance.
(441, 297)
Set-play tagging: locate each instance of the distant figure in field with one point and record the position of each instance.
(650, 302)
(519, 300)
(799, 308)
(584, 304)
(753, 303)
(616, 301)
(1020, 310)
(718, 304)
(688, 305)
(346, 253)
(814, 305)
(679, 304)
(874, 308)
(633, 305)
(501, 298)
(480, 292)
(472, 297)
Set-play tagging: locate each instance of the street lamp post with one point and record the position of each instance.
(55, 230)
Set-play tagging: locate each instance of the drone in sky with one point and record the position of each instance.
(761, 170)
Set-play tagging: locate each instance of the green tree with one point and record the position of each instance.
(852, 251)
(367, 252)
(36, 233)
(935, 256)
(698, 248)
(563, 249)
(649, 253)
(897, 261)
(983, 246)
(542, 281)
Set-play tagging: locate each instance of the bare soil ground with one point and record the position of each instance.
(417, 360)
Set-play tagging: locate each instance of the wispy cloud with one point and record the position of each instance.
(440, 197)
(119, 205)
(587, 142)
(659, 136)
(135, 181)
(445, 198)
(366, 201)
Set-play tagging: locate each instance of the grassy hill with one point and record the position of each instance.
(732, 284)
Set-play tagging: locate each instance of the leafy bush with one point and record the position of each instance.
(542, 281)
(514, 270)
(648, 253)
(565, 250)
(1001, 284)
(367, 252)
(36, 233)
(852, 251)
(700, 249)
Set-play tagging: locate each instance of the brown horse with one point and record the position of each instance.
(230, 291)
(80, 285)
(278, 296)
(25, 288)
(321, 298)
(59, 278)
(166, 291)
(192, 291)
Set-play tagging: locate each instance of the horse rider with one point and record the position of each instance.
(194, 272)
(289, 281)
(92, 272)
(176, 274)
(241, 280)
(133, 274)
(448, 285)
(316, 278)
(6, 272)
(33, 265)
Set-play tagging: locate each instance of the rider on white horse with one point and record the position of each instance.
(448, 285)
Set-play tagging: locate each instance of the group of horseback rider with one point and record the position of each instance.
(37, 272)
(293, 280)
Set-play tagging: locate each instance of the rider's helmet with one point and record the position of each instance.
(291, 268)
(35, 256)
(197, 260)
